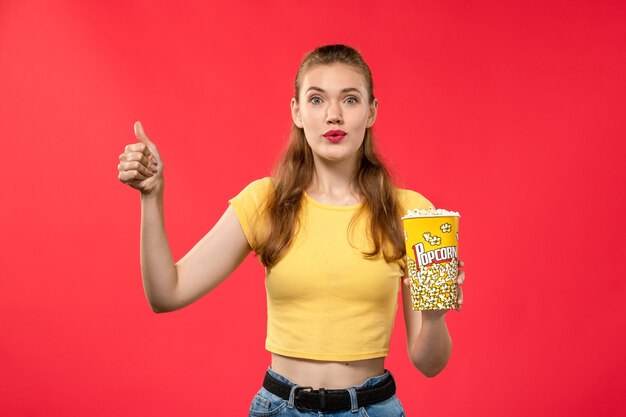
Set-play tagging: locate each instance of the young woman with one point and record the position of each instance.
(327, 228)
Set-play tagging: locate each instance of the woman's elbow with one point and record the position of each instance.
(431, 368)
(160, 308)
(430, 373)
(156, 309)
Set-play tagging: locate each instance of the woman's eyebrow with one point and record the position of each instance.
(345, 90)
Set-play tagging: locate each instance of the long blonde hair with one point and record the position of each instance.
(295, 169)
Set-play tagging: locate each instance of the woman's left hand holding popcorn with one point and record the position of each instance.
(460, 278)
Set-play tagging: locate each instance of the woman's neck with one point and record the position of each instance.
(335, 182)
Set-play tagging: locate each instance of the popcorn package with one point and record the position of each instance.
(431, 238)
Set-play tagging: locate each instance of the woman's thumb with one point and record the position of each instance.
(143, 138)
(140, 134)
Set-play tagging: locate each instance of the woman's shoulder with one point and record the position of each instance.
(410, 200)
(254, 192)
(264, 182)
(259, 186)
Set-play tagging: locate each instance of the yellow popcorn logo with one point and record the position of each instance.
(425, 258)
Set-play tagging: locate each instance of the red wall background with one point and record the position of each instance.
(510, 112)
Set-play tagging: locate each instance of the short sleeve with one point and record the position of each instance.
(411, 200)
(248, 206)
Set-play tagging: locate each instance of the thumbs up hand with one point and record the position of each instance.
(140, 165)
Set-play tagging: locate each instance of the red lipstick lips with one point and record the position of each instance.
(335, 135)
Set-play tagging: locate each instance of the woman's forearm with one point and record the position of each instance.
(431, 351)
(158, 270)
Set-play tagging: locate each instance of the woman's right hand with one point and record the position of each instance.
(140, 165)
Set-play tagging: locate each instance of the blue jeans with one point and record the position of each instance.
(266, 404)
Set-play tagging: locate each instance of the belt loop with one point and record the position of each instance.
(292, 395)
(354, 403)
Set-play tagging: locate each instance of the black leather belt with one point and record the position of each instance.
(306, 398)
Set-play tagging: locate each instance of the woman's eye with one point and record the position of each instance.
(354, 100)
(312, 100)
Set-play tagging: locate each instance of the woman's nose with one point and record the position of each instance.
(333, 114)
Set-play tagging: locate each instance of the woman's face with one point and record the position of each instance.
(334, 98)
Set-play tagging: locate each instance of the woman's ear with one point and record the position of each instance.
(373, 111)
(295, 113)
